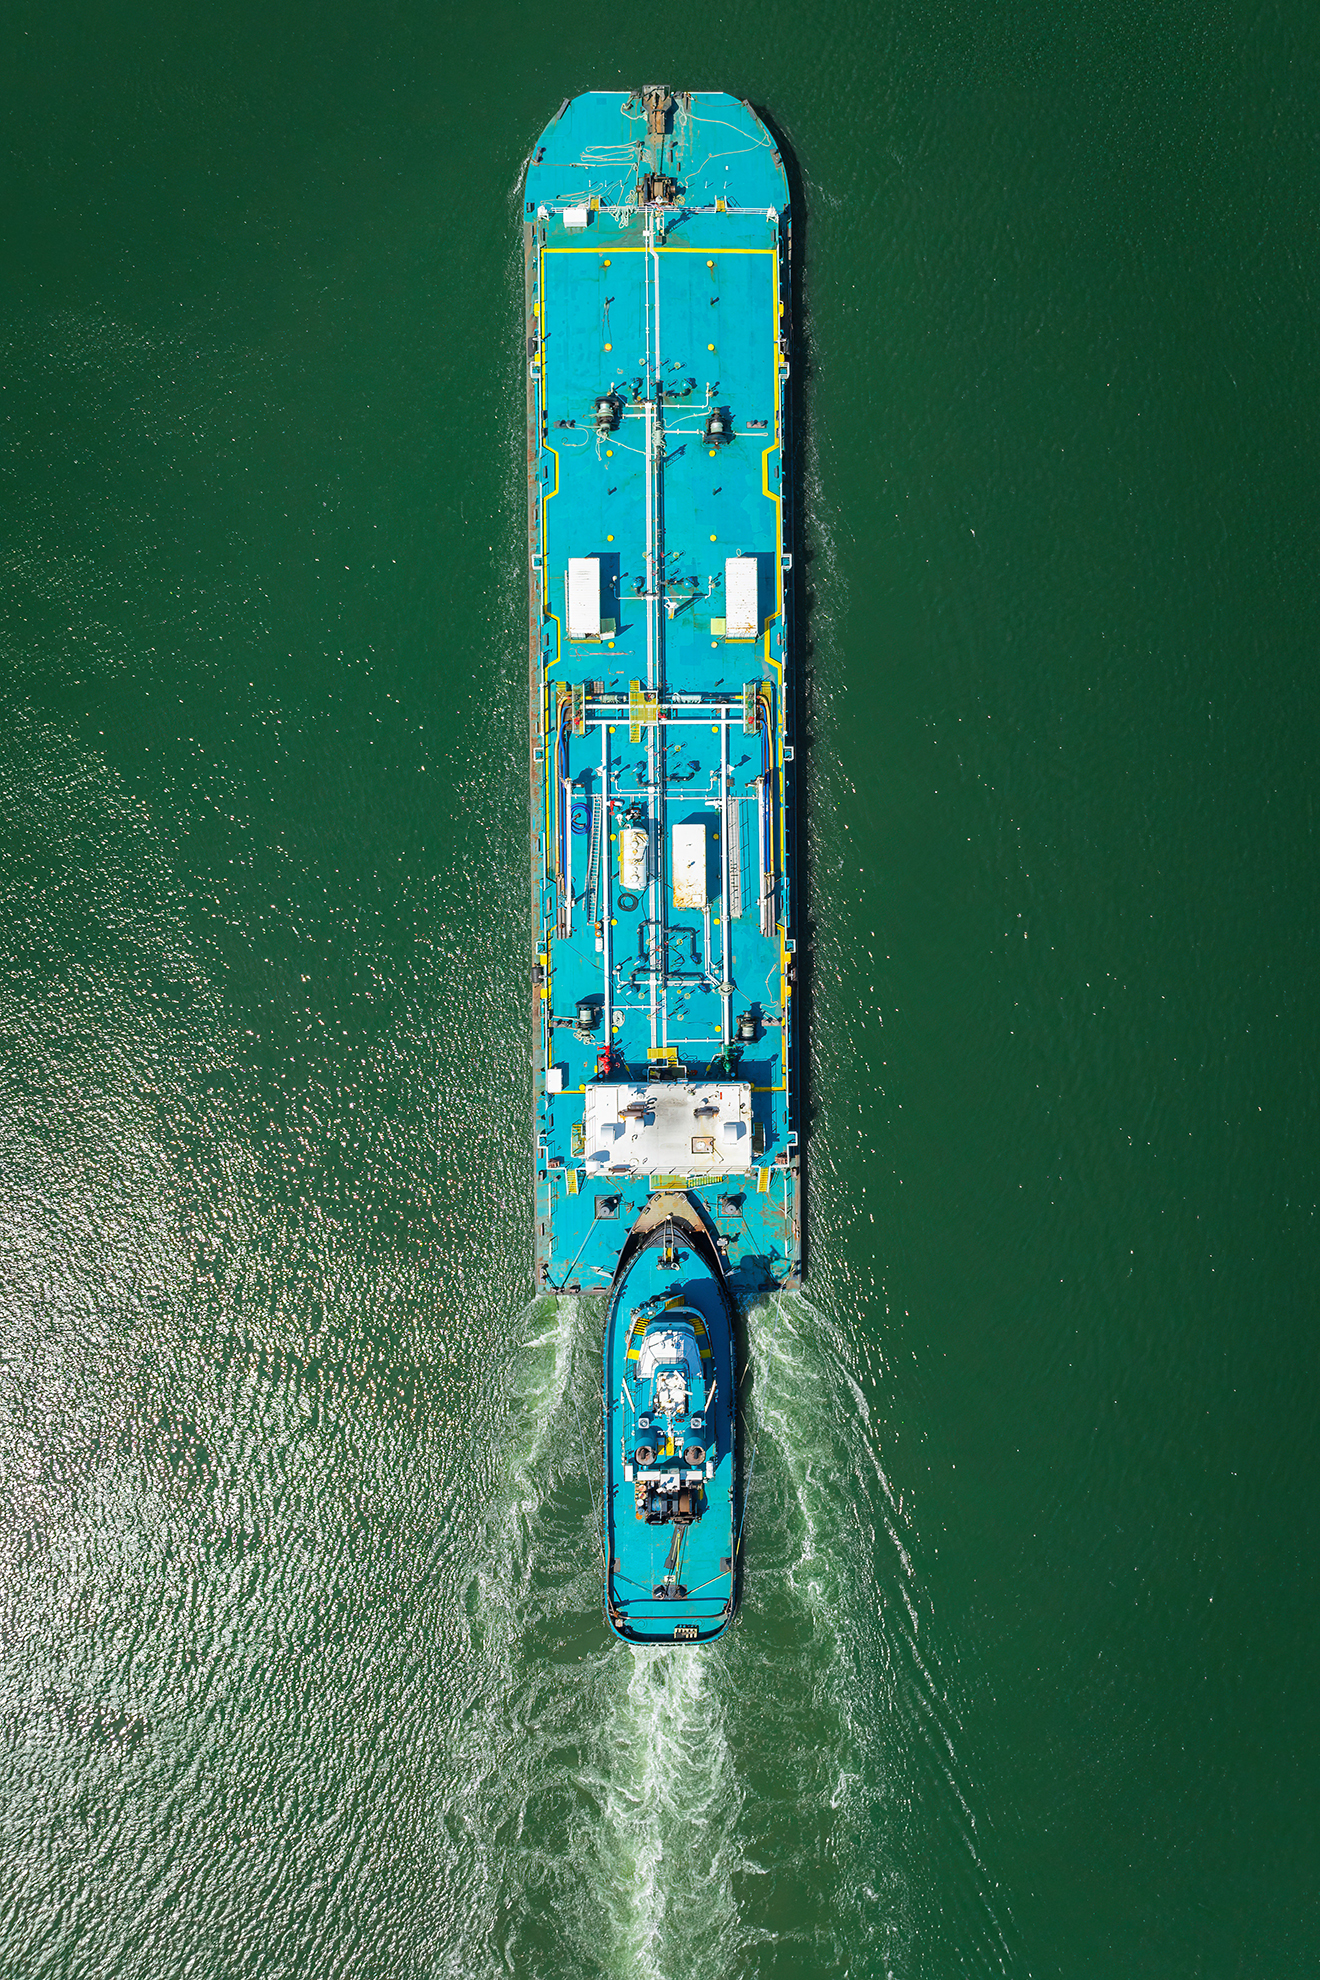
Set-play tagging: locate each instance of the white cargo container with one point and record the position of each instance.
(584, 597)
(741, 619)
(689, 866)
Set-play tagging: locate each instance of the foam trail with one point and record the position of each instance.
(816, 1506)
(539, 1387)
(824, 1521)
(670, 1803)
(607, 1778)
(640, 1815)
(533, 1563)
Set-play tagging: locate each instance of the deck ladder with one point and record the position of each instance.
(593, 861)
(733, 840)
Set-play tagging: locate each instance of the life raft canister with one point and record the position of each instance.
(632, 858)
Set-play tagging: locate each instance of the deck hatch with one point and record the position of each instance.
(584, 597)
(689, 866)
(740, 598)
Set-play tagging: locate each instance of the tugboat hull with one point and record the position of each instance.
(670, 1423)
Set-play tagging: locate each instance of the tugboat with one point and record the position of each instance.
(670, 1417)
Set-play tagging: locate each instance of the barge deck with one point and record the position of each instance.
(657, 244)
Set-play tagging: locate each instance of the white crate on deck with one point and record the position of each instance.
(584, 597)
(689, 866)
(741, 619)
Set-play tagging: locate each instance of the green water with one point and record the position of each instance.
(302, 1668)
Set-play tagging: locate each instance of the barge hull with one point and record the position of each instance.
(657, 251)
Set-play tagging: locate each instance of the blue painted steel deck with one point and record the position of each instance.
(675, 305)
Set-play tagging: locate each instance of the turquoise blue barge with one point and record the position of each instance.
(658, 241)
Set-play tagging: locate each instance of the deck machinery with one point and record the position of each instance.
(657, 238)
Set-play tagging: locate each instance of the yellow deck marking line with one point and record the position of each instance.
(545, 600)
(665, 247)
(777, 666)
